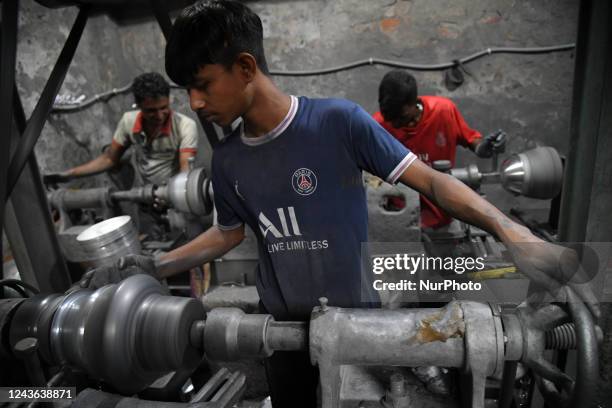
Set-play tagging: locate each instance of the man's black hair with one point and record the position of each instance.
(150, 85)
(397, 89)
(213, 32)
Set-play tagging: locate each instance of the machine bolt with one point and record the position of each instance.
(396, 396)
(397, 384)
(323, 302)
(26, 349)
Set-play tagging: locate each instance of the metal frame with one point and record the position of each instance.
(45, 103)
(593, 70)
(29, 227)
(8, 52)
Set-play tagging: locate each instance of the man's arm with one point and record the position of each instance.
(188, 146)
(106, 161)
(184, 156)
(463, 203)
(550, 266)
(207, 246)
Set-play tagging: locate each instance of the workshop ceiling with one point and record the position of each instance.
(122, 11)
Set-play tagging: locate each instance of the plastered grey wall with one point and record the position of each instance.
(109, 56)
(526, 95)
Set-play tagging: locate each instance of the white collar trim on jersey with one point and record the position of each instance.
(274, 133)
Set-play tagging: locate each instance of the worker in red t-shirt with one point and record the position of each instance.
(431, 127)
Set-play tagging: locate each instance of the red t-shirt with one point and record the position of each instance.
(435, 137)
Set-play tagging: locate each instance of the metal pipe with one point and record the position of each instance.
(461, 334)
(402, 337)
(506, 394)
(287, 336)
(230, 334)
(591, 71)
(145, 194)
(29, 227)
(587, 366)
(75, 199)
(8, 51)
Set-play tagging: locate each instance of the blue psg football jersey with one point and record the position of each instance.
(300, 190)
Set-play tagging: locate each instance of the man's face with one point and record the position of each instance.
(155, 111)
(410, 115)
(217, 94)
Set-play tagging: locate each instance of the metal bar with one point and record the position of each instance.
(161, 14)
(587, 364)
(211, 386)
(18, 112)
(287, 336)
(590, 76)
(8, 55)
(45, 103)
(27, 350)
(29, 227)
(506, 396)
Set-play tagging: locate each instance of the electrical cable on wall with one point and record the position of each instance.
(105, 96)
(352, 65)
(427, 67)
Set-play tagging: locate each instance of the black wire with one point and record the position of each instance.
(105, 96)
(18, 284)
(356, 64)
(428, 67)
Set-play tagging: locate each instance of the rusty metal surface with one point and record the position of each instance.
(462, 334)
(377, 337)
(441, 325)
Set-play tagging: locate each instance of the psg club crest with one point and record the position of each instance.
(304, 181)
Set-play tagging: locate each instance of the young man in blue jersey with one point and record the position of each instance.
(287, 172)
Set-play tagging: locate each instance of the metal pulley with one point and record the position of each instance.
(536, 173)
(187, 192)
(126, 334)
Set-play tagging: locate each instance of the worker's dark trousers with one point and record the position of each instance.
(292, 379)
